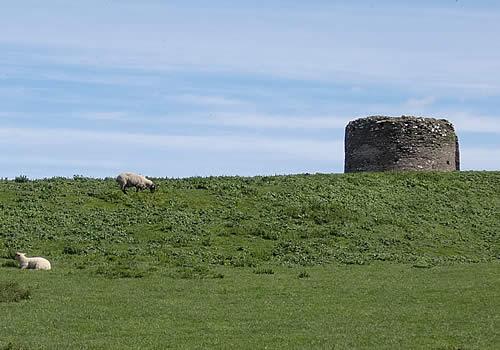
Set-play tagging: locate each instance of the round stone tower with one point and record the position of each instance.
(404, 143)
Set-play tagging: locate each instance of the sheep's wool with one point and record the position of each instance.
(35, 263)
(128, 179)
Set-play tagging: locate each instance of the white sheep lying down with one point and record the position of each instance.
(36, 263)
(140, 182)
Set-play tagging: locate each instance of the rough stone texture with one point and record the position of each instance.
(381, 143)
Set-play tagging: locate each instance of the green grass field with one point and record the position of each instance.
(347, 261)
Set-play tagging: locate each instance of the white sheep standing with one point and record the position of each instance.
(140, 183)
(36, 263)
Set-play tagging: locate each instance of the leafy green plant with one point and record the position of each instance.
(304, 220)
(10, 263)
(12, 346)
(21, 179)
(303, 274)
(12, 292)
(264, 271)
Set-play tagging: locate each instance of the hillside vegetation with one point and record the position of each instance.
(355, 261)
(191, 226)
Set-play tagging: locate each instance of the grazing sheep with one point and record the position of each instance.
(140, 183)
(36, 263)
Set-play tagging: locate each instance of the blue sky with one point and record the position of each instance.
(199, 88)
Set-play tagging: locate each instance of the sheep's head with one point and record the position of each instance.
(19, 256)
(152, 188)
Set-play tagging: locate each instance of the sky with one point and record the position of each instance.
(201, 88)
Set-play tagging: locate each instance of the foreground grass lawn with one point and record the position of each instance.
(379, 306)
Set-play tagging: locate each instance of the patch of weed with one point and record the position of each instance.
(12, 346)
(263, 271)
(303, 274)
(195, 272)
(21, 179)
(12, 292)
(10, 263)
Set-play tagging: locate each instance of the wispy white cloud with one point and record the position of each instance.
(207, 100)
(225, 119)
(464, 121)
(437, 53)
(20, 92)
(59, 160)
(95, 78)
(277, 122)
(471, 122)
(452, 49)
(12, 114)
(480, 158)
(102, 116)
(420, 103)
(303, 148)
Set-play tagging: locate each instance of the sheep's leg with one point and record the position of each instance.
(124, 189)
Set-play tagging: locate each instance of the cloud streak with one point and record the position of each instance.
(277, 122)
(187, 83)
(477, 123)
(307, 44)
(476, 158)
(303, 148)
(207, 100)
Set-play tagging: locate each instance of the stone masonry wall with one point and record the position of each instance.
(382, 143)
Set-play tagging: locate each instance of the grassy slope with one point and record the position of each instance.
(382, 305)
(234, 228)
(306, 220)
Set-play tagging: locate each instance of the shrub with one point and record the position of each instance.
(10, 263)
(12, 346)
(303, 274)
(72, 250)
(21, 178)
(12, 292)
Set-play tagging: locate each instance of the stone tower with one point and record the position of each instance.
(381, 143)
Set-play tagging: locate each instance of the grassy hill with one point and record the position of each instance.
(364, 260)
(414, 218)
